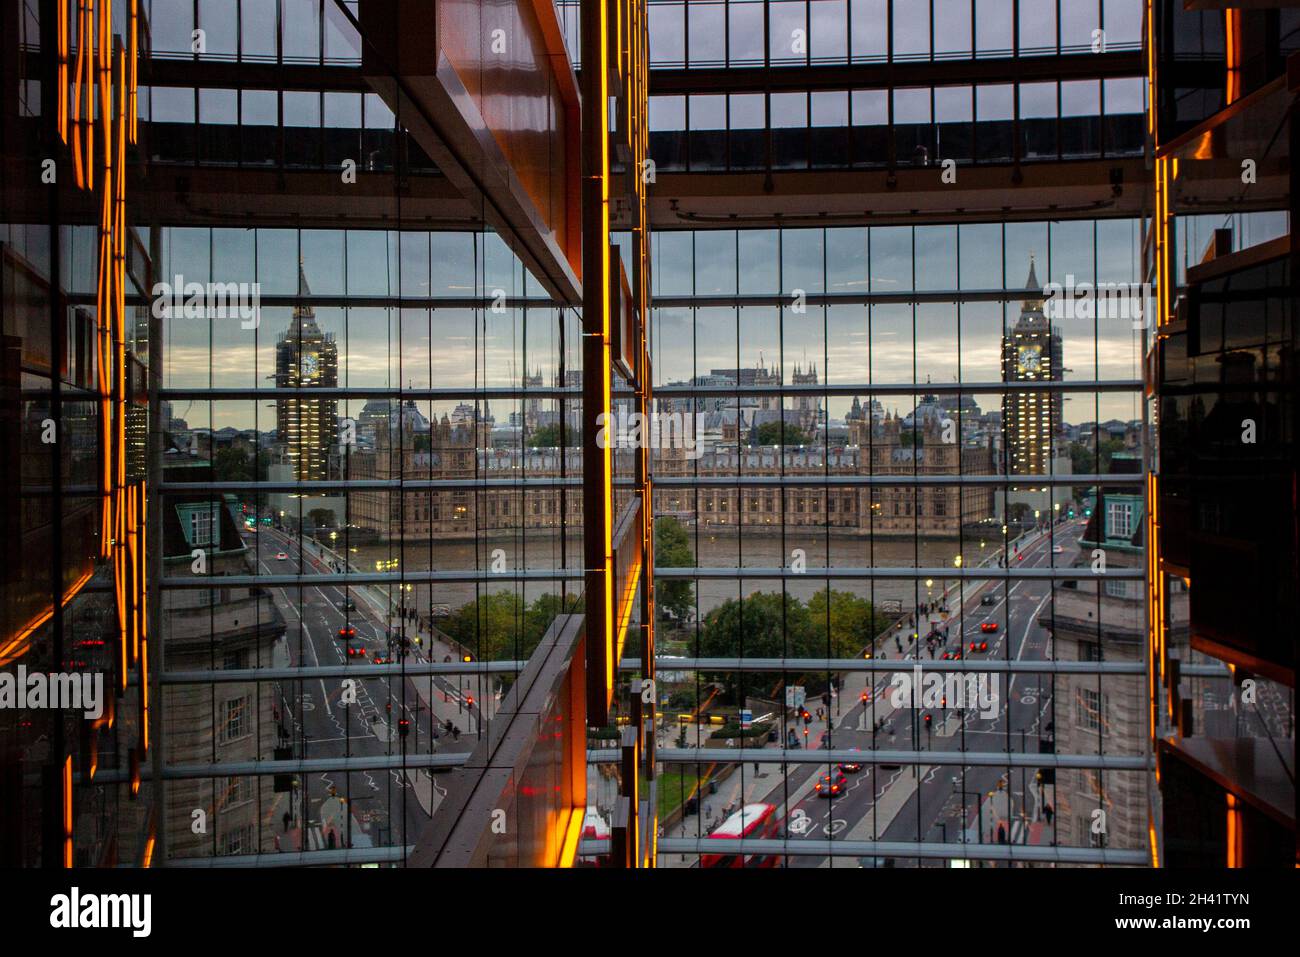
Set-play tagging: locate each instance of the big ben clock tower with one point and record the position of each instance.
(1031, 352)
(306, 358)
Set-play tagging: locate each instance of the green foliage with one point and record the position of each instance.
(549, 437)
(764, 625)
(772, 625)
(769, 433)
(321, 517)
(232, 465)
(673, 550)
(544, 610)
(851, 622)
(1083, 461)
(500, 626)
(757, 731)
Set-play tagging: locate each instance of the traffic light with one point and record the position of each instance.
(403, 726)
(469, 701)
(928, 719)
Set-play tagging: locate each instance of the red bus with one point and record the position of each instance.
(752, 820)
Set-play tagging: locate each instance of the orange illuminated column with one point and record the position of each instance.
(1162, 275)
(598, 490)
(1234, 832)
(61, 30)
(1232, 53)
(67, 811)
(133, 85)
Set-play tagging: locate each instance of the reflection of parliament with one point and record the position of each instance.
(946, 434)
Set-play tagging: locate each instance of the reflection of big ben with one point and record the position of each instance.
(306, 358)
(1031, 352)
(1028, 359)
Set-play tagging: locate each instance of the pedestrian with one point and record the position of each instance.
(288, 818)
(1047, 813)
(1002, 833)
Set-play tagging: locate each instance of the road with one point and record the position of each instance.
(336, 717)
(937, 802)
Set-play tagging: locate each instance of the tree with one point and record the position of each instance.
(769, 433)
(764, 625)
(499, 626)
(231, 465)
(851, 620)
(544, 610)
(491, 626)
(550, 437)
(1082, 459)
(321, 517)
(1018, 512)
(673, 550)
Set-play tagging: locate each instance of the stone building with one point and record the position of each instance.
(1094, 621)
(206, 629)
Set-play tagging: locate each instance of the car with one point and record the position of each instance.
(281, 557)
(347, 604)
(347, 633)
(356, 650)
(979, 646)
(850, 767)
(382, 660)
(953, 653)
(990, 599)
(1057, 549)
(829, 785)
(988, 626)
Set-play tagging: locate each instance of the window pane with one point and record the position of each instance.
(708, 34)
(667, 34)
(993, 35)
(868, 39)
(829, 38)
(952, 33)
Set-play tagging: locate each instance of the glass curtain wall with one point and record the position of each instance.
(368, 475)
(916, 451)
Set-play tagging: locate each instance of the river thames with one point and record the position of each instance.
(541, 549)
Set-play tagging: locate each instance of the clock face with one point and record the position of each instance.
(309, 365)
(1029, 359)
